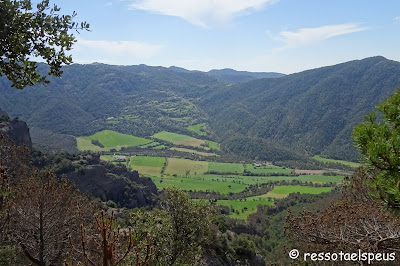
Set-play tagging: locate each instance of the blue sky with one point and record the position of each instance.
(284, 36)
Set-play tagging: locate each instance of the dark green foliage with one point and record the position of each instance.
(260, 149)
(179, 230)
(312, 111)
(52, 142)
(137, 100)
(379, 142)
(307, 113)
(40, 31)
(97, 143)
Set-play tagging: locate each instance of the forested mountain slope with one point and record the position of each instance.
(312, 111)
(138, 100)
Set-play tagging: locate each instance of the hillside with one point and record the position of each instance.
(233, 76)
(308, 113)
(312, 111)
(137, 100)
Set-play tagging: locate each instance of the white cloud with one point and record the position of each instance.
(113, 52)
(397, 19)
(307, 36)
(203, 13)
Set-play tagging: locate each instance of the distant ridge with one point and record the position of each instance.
(229, 75)
(233, 76)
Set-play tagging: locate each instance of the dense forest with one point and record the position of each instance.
(143, 100)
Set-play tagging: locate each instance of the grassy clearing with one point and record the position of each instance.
(147, 165)
(325, 160)
(213, 145)
(189, 183)
(267, 169)
(241, 209)
(193, 151)
(225, 167)
(110, 140)
(85, 144)
(171, 137)
(198, 129)
(182, 167)
(286, 190)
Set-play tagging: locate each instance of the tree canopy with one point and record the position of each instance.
(27, 33)
(378, 138)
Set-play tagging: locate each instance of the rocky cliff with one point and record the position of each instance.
(16, 129)
(116, 183)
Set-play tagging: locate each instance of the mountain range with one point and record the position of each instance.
(307, 113)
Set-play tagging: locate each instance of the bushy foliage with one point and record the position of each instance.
(179, 230)
(27, 31)
(379, 142)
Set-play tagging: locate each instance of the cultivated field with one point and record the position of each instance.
(283, 191)
(351, 164)
(184, 140)
(147, 165)
(183, 167)
(267, 169)
(225, 167)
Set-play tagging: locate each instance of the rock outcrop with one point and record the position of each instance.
(16, 129)
(116, 183)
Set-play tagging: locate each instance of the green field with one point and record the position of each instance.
(268, 169)
(325, 160)
(250, 203)
(199, 129)
(213, 145)
(225, 167)
(183, 167)
(147, 165)
(179, 139)
(194, 151)
(283, 191)
(253, 180)
(110, 140)
(189, 183)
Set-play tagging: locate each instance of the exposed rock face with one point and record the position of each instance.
(16, 129)
(110, 182)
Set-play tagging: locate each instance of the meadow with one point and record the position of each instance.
(282, 191)
(197, 184)
(325, 160)
(147, 164)
(183, 167)
(199, 129)
(225, 167)
(110, 140)
(267, 169)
